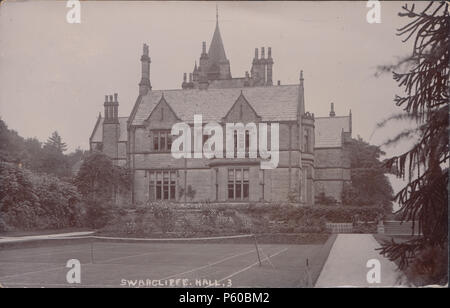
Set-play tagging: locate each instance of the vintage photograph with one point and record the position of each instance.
(224, 144)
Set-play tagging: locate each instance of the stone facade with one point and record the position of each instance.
(312, 156)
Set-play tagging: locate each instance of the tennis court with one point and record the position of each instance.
(220, 262)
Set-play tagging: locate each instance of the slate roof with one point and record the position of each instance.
(328, 131)
(276, 103)
(97, 135)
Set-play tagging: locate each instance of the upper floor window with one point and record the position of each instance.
(161, 140)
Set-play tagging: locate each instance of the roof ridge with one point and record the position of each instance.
(221, 89)
(332, 117)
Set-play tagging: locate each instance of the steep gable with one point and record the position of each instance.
(97, 133)
(242, 112)
(162, 116)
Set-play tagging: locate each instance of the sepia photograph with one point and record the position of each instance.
(237, 146)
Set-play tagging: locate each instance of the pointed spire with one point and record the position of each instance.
(216, 50)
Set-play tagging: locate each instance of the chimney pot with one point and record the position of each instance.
(279, 83)
(262, 53)
(115, 97)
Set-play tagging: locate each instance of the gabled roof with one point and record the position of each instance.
(278, 103)
(97, 134)
(328, 131)
(216, 52)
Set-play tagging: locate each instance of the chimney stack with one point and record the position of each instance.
(332, 113)
(145, 85)
(203, 48)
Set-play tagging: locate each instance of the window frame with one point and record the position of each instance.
(242, 184)
(158, 186)
(155, 137)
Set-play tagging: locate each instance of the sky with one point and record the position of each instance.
(54, 75)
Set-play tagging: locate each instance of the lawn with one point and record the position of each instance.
(151, 264)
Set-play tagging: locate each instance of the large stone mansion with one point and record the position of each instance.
(312, 155)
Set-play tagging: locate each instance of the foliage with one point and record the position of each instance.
(55, 142)
(53, 161)
(426, 82)
(98, 179)
(98, 213)
(323, 199)
(190, 193)
(164, 216)
(30, 201)
(369, 185)
(33, 155)
(171, 219)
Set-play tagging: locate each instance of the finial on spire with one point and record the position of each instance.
(145, 50)
(217, 13)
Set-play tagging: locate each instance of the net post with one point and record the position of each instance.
(92, 250)
(257, 249)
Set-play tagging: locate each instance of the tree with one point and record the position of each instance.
(55, 142)
(369, 184)
(424, 199)
(99, 181)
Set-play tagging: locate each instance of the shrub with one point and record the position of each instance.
(164, 216)
(98, 214)
(325, 200)
(30, 201)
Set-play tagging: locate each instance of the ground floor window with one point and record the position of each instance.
(238, 183)
(162, 185)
